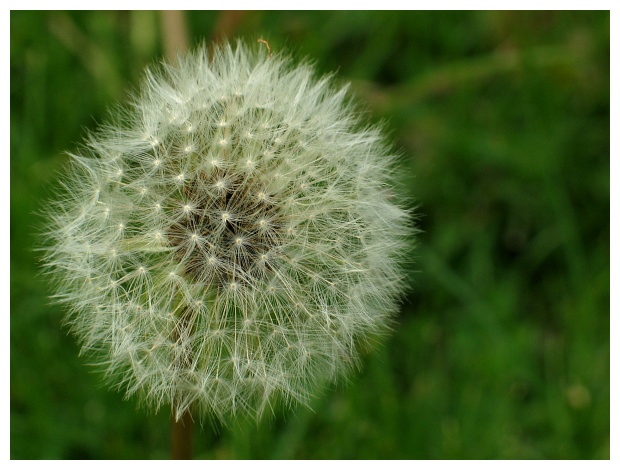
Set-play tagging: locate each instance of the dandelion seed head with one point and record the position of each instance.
(241, 257)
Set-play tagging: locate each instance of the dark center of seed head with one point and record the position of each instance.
(230, 232)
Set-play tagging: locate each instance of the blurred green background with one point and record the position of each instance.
(501, 349)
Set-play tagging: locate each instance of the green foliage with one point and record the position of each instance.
(502, 346)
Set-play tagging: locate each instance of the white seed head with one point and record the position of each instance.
(242, 265)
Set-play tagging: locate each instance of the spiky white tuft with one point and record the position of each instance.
(231, 237)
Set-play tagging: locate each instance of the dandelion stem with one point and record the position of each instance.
(182, 433)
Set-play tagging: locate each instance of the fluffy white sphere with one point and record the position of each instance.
(230, 237)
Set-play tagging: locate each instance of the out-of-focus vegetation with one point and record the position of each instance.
(501, 349)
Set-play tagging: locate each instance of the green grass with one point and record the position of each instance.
(501, 349)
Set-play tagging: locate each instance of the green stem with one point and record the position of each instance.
(182, 433)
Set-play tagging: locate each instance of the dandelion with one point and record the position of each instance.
(230, 239)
